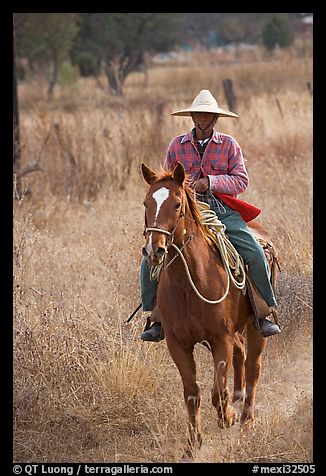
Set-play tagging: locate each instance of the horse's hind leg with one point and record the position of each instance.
(184, 360)
(239, 357)
(256, 345)
(222, 355)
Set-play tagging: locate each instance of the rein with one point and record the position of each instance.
(217, 301)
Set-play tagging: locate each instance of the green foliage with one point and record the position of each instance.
(68, 74)
(88, 40)
(88, 64)
(147, 31)
(120, 41)
(47, 37)
(106, 35)
(233, 30)
(277, 32)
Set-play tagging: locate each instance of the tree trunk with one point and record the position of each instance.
(53, 80)
(112, 73)
(16, 138)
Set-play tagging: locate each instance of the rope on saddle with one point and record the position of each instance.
(232, 261)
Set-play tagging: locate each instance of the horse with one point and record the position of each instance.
(172, 217)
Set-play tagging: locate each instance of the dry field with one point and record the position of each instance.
(86, 389)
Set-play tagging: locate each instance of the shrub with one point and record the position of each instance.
(88, 64)
(277, 32)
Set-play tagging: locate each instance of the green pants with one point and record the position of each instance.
(247, 246)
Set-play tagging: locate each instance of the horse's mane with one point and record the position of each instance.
(191, 204)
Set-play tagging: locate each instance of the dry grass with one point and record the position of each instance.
(85, 387)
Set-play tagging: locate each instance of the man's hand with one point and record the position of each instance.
(202, 185)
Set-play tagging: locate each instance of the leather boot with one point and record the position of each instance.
(268, 328)
(154, 333)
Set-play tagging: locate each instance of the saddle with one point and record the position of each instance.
(258, 304)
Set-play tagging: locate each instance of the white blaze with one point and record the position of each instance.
(159, 196)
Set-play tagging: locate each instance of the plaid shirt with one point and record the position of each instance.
(222, 162)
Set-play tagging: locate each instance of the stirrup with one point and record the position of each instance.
(268, 328)
(153, 334)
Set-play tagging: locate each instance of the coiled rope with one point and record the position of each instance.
(231, 259)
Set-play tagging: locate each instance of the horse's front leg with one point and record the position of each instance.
(239, 358)
(222, 354)
(256, 345)
(184, 360)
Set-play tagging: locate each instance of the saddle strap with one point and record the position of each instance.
(272, 260)
(258, 304)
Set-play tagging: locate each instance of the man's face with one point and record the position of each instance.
(205, 121)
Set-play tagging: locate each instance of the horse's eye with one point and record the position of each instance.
(178, 205)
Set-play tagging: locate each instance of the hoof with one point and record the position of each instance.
(228, 420)
(247, 423)
(188, 456)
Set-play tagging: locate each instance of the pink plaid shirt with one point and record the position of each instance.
(222, 162)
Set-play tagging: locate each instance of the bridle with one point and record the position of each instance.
(170, 234)
(155, 270)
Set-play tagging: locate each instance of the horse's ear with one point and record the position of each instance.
(179, 173)
(149, 175)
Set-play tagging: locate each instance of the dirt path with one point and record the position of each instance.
(291, 373)
(283, 412)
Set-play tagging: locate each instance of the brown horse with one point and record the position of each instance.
(172, 217)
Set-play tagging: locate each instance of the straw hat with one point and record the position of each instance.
(205, 102)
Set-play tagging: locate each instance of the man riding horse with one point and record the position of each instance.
(216, 171)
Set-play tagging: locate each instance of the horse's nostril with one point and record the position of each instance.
(144, 251)
(160, 252)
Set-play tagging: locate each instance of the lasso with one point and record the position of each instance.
(231, 259)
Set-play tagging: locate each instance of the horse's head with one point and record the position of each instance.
(164, 210)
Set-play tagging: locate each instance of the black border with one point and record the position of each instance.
(318, 270)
